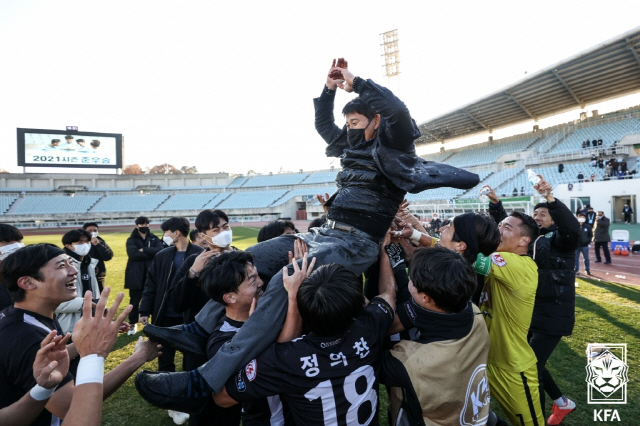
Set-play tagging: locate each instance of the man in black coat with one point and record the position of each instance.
(142, 246)
(602, 238)
(586, 235)
(163, 269)
(554, 309)
(379, 166)
(10, 241)
(99, 250)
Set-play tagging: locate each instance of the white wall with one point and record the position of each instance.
(601, 193)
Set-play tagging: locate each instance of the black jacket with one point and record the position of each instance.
(394, 148)
(602, 230)
(135, 274)
(154, 297)
(555, 254)
(586, 234)
(5, 298)
(185, 295)
(103, 253)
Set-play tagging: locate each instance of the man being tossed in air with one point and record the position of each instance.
(379, 166)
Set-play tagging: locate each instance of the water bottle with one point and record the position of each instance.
(534, 179)
(484, 194)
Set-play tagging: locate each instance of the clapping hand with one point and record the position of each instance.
(52, 360)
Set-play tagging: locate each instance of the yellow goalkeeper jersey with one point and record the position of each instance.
(508, 296)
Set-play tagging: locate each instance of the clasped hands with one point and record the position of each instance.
(340, 76)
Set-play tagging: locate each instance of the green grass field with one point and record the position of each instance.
(605, 313)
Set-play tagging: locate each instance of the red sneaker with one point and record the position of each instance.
(559, 413)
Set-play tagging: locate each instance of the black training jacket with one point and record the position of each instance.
(135, 275)
(555, 253)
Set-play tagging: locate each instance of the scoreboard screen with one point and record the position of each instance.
(55, 148)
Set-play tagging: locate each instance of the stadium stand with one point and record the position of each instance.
(112, 189)
(494, 180)
(237, 182)
(320, 177)
(474, 156)
(55, 204)
(308, 192)
(275, 180)
(46, 189)
(608, 132)
(439, 157)
(129, 203)
(192, 187)
(187, 201)
(252, 199)
(5, 203)
(217, 200)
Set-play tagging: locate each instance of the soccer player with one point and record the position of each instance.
(379, 166)
(433, 374)
(39, 278)
(554, 313)
(507, 300)
(329, 376)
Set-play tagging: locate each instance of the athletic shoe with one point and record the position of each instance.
(132, 330)
(588, 272)
(598, 261)
(558, 413)
(608, 262)
(178, 417)
(178, 338)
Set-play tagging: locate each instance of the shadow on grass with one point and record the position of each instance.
(621, 290)
(603, 314)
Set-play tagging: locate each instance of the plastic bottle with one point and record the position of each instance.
(534, 179)
(484, 191)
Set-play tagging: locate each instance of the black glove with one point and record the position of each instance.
(396, 256)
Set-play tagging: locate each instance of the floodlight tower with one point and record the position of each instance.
(391, 58)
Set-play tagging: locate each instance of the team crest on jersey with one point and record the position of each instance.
(251, 370)
(498, 260)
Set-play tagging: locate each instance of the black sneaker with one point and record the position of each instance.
(608, 262)
(185, 391)
(598, 261)
(177, 338)
(588, 272)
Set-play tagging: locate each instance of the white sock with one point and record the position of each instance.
(562, 401)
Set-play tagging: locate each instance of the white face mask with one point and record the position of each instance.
(167, 240)
(223, 239)
(582, 220)
(94, 234)
(8, 249)
(82, 249)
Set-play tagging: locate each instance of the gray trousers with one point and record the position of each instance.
(262, 328)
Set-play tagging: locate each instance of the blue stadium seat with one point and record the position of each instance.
(308, 192)
(608, 132)
(5, 203)
(187, 201)
(237, 182)
(251, 199)
(321, 177)
(130, 203)
(474, 156)
(56, 204)
(275, 180)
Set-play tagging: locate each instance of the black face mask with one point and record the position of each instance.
(143, 229)
(356, 136)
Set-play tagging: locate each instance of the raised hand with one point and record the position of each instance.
(323, 201)
(300, 249)
(340, 72)
(492, 195)
(52, 360)
(334, 78)
(292, 282)
(97, 334)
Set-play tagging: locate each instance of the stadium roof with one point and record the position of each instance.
(607, 70)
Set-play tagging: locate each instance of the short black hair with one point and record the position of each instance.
(329, 299)
(359, 106)
(445, 276)
(95, 143)
(274, 229)
(9, 233)
(488, 236)
(528, 227)
(88, 224)
(79, 140)
(209, 219)
(55, 140)
(224, 274)
(193, 234)
(581, 214)
(68, 137)
(75, 235)
(26, 262)
(318, 222)
(142, 220)
(176, 223)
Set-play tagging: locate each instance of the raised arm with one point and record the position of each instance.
(496, 210)
(568, 226)
(324, 122)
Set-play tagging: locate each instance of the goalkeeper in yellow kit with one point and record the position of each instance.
(511, 280)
